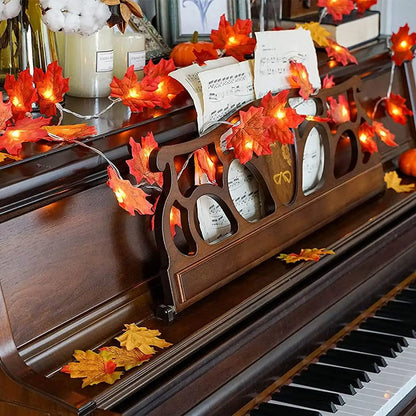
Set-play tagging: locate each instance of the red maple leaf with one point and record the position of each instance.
(71, 132)
(328, 81)
(163, 68)
(396, 108)
(174, 220)
(205, 163)
(139, 164)
(25, 130)
(51, 87)
(299, 78)
(363, 5)
(339, 53)
(366, 134)
(21, 93)
(250, 135)
(402, 44)
(336, 8)
(128, 196)
(234, 40)
(134, 94)
(386, 136)
(5, 112)
(204, 55)
(339, 111)
(285, 118)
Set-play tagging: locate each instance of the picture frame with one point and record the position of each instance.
(178, 19)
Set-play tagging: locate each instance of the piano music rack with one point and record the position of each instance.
(194, 267)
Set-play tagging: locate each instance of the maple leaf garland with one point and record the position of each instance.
(339, 110)
(402, 45)
(366, 134)
(5, 112)
(249, 136)
(339, 53)
(51, 87)
(285, 118)
(396, 108)
(234, 40)
(71, 132)
(299, 78)
(337, 8)
(363, 5)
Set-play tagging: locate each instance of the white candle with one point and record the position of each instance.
(89, 63)
(129, 49)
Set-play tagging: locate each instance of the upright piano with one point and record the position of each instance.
(74, 268)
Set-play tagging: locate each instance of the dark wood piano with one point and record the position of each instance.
(74, 268)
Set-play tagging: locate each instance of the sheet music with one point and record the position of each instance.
(188, 77)
(273, 53)
(225, 90)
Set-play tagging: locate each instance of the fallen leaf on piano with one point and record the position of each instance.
(141, 338)
(299, 78)
(126, 359)
(139, 164)
(339, 53)
(306, 254)
(393, 181)
(71, 132)
(4, 156)
(318, 33)
(249, 136)
(128, 196)
(93, 368)
(21, 93)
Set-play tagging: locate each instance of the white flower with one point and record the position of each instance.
(9, 9)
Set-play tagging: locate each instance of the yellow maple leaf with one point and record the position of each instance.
(393, 181)
(306, 254)
(126, 359)
(4, 156)
(141, 338)
(93, 368)
(318, 33)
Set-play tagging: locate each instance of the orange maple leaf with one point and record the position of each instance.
(134, 94)
(250, 135)
(234, 40)
(139, 164)
(142, 338)
(5, 112)
(366, 134)
(128, 196)
(396, 108)
(174, 220)
(386, 136)
(21, 93)
(393, 181)
(25, 130)
(363, 5)
(339, 111)
(71, 132)
(328, 81)
(306, 254)
(93, 368)
(51, 87)
(126, 359)
(337, 8)
(284, 117)
(205, 163)
(4, 156)
(402, 45)
(167, 88)
(339, 53)
(299, 78)
(204, 55)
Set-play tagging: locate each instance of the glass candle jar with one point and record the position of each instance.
(129, 49)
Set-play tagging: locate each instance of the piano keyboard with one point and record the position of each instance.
(367, 369)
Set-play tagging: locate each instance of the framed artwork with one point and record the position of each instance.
(178, 19)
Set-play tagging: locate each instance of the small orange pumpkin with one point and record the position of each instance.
(183, 53)
(407, 162)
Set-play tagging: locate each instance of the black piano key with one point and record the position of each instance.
(389, 311)
(319, 395)
(407, 296)
(389, 326)
(393, 341)
(306, 379)
(351, 359)
(302, 397)
(271, 409)
(346, 373)
(356, 345)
